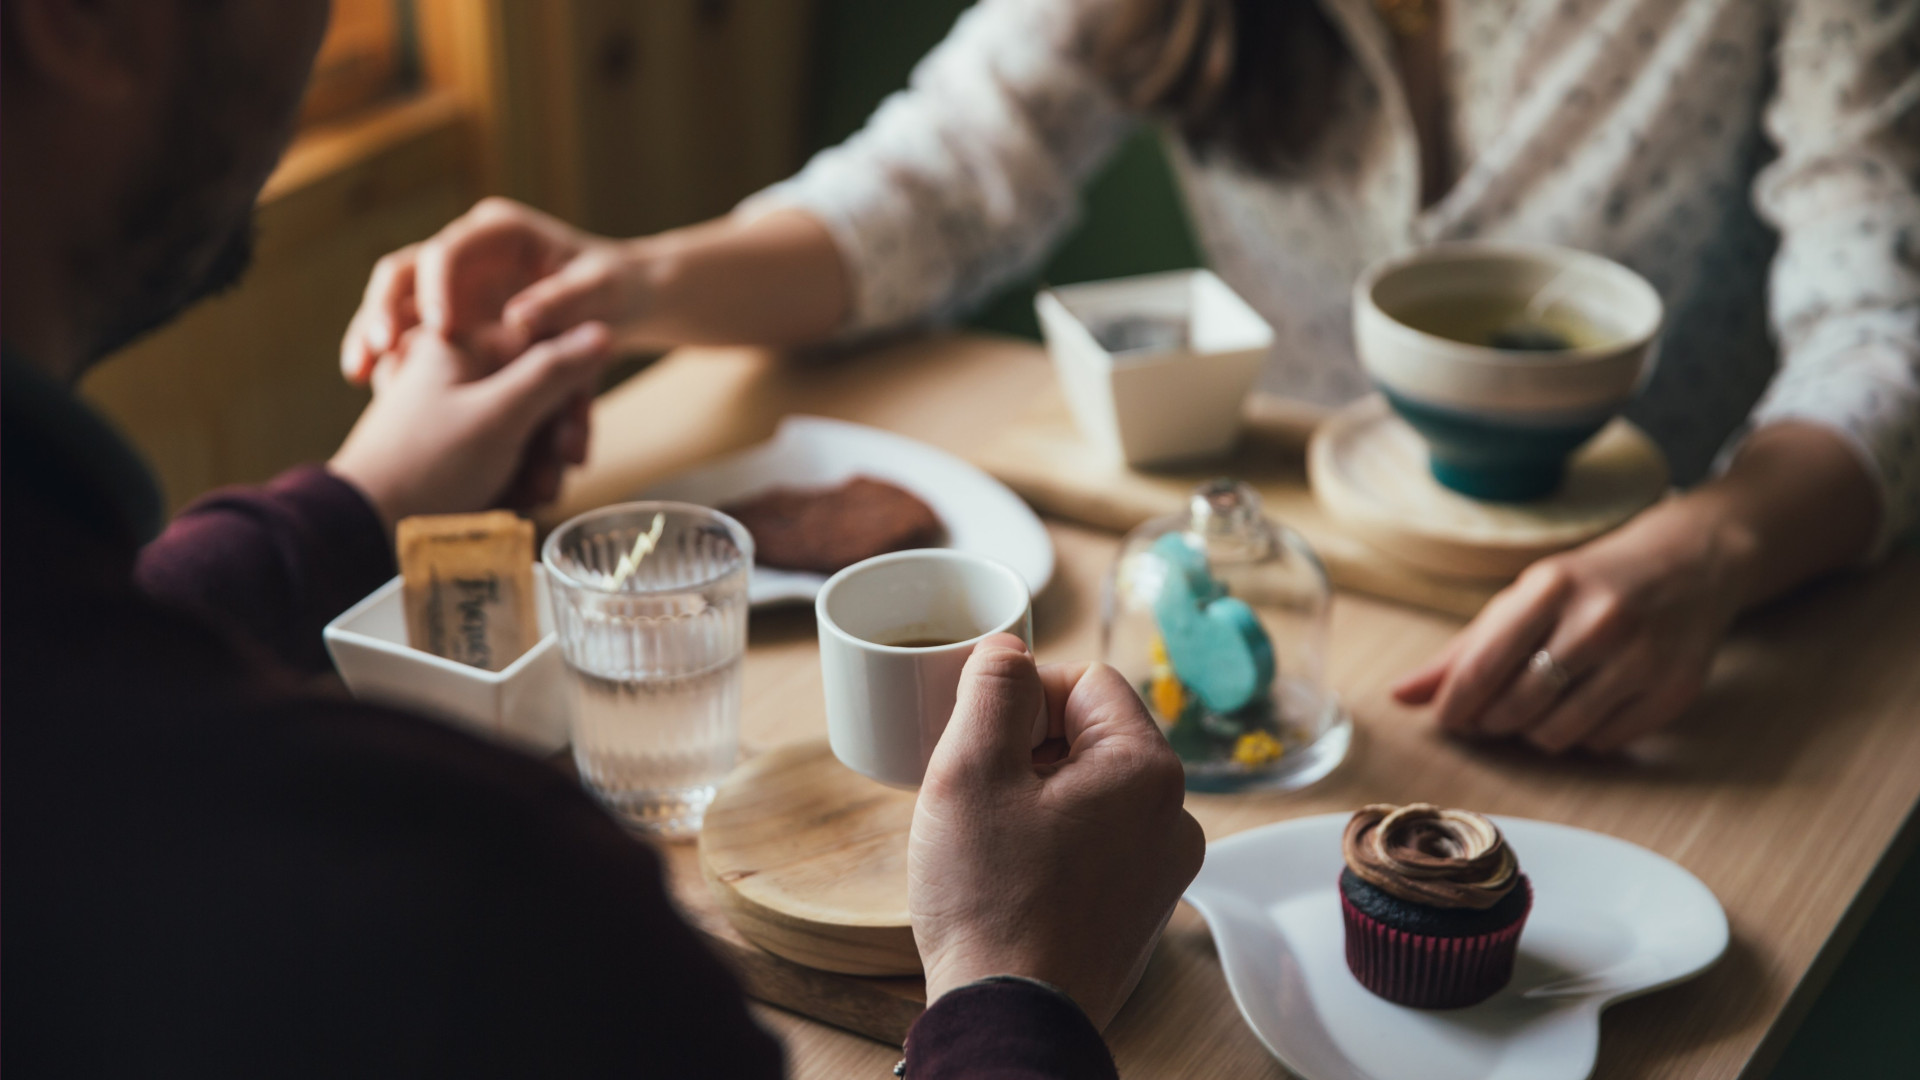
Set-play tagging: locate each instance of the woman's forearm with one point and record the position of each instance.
(777, 279)
(1795, 503)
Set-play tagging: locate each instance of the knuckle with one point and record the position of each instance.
(1105, 678)
(1131, 762)
(1612, 613)
(599, 279)
(1159, 776)
(945, 779)
(579, 351)
(1548, 576)
(1471, 674)
(1193, 845)
(495, 206)
(1118, 698)
(961, 774)
(999, 662)
(1170, 786)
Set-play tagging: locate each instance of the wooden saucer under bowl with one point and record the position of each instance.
(1369, 472)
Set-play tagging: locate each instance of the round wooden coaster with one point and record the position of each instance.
(1369, 472)
(809, 861)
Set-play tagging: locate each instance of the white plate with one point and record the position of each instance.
(980, 514)
(1610, 920)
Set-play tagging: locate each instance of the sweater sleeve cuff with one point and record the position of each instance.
(1006, 1028)
(273, 564)
(849, 220)
(1867, 394)
(361, 556)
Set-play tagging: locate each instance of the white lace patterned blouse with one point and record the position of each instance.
(1666, 134)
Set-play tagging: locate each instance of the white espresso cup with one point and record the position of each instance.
(895, 631)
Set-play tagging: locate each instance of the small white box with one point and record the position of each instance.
(524, 705)
(1175, 399)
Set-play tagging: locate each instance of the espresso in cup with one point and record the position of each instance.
(895, 633)
(915, 641)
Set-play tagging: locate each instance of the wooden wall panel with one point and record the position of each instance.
(685, 106)
(505, 59)
(359, 61)
(628, 116)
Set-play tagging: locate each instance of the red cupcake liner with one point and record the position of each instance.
(1428, 972)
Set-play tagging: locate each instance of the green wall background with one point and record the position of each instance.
(1865, 1023)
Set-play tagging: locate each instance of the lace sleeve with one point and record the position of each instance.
(967, 177)
(1845, 195)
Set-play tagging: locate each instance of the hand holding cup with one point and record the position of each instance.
(1064, 871)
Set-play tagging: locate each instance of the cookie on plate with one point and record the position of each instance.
(827, 529)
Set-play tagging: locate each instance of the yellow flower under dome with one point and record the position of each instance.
(1256, 748)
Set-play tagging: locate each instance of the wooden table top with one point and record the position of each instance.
(1788, 788)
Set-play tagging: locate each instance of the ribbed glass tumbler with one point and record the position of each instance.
(653, 626)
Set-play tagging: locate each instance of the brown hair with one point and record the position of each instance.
(1250, 77)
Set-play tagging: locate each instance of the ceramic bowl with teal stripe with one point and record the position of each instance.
(1505, 357)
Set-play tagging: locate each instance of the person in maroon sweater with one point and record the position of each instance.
(215, 866)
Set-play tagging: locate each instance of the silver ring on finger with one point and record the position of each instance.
(1548, 670)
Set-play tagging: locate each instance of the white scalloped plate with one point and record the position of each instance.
(981, 515)
(1611, 920)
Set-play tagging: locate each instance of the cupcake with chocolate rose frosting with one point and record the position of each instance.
(1434, 902)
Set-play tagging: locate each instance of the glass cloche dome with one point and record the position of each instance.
(1219, 618)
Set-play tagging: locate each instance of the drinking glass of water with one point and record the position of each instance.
(650, 607)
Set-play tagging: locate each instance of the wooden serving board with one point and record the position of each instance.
(1043, 458)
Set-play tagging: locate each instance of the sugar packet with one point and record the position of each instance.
(467, 581)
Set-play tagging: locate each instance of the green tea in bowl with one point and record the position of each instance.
(1508, 323)
(1504, 357)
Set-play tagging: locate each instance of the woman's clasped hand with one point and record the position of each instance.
(504, 275)
(1588, 649)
